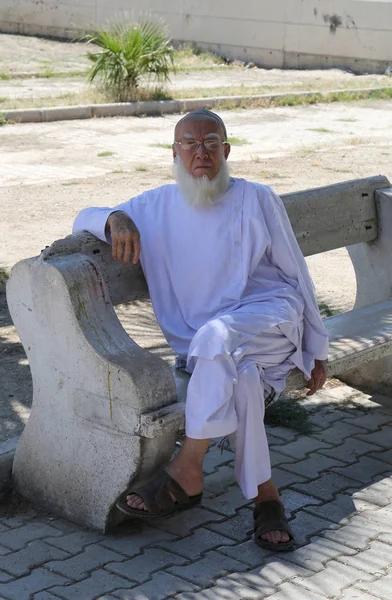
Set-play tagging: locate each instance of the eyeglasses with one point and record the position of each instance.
(210, 145)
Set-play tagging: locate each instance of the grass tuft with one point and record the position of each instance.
(288, 412)
(3, 120)
(321, 130)
(235, 141)
(161, 145)
(106, 153)
(327, 311)
(141, 168)
(4, 275)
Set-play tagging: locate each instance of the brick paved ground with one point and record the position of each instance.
(337, 489)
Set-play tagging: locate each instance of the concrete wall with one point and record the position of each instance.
(355, 34)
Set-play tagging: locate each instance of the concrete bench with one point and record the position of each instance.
(106, 411)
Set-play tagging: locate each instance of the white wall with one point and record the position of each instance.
(356, 34)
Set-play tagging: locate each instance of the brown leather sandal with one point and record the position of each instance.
(270, 516)
(157, 496)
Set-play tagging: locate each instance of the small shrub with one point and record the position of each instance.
(3, 120)
(128, 52)
(3, 275)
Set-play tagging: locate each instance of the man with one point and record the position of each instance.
(233, 296)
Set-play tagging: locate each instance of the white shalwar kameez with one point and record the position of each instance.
(232, 293)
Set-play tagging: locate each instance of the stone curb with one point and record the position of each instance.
(7, 453)
(159, 107)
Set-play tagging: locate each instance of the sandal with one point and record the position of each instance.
(270, 516)
(157, 496)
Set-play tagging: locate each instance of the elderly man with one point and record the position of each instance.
(233, 296)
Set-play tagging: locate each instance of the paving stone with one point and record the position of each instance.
(332, 580)
(350, 450)
(228, 503)
(375, 558)
(269, 576)
(345, 392)
(64, 526)
(16, 539)
(247, 552)
(74, 542)
(317, 553)
(326, 486)
(379, 492)
(384, 456)
(100, 582)
(354, 535)
(380, 518)
(196, 544)
(79, 566)
(380, 588)
(226, 589)
(283, 478)
(305, 525)
(277, 458)
(302, 446)
(4, 577)
(211, 566)
(215, 458)
(238, 528)
(370, 421)
(20, 520)
(324, 417)
(273, 440)
(290, 591)
(356, 594)
(365, 469)
(161, 586)
(293, 500)
(313, 465)
(184, 523)
(380, 438)
(140, 568)
(4, 551)
(282, 433)
(219, 481)
(137, 538)
(336, 433)
(45, 596)
(340, 510)
(23, 588)
(385, 537)
(22, 561)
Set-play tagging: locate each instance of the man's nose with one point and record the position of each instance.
(201, 151)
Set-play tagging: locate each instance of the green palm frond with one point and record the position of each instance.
(129, 51)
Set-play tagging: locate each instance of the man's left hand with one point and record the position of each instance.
(318, 378)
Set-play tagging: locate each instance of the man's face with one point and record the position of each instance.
(201, 161)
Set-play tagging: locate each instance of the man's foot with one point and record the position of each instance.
(190, 482)
(186, 469)
(266, 492)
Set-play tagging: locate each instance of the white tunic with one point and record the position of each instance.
(236, 263)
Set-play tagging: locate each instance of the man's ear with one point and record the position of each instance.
(174, 151)
(227, 151)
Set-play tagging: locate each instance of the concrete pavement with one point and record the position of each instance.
(337, 489)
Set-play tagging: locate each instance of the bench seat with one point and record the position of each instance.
(356, 337)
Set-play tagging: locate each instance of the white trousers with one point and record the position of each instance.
(226, 395)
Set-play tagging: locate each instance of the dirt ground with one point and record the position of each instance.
(31, 68)
(50, 171)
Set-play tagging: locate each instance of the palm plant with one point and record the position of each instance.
(128, 52)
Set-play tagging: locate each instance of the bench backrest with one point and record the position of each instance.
(324, 218)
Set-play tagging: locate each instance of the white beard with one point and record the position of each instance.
(201, 191)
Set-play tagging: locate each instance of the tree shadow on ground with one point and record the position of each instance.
(16, 384)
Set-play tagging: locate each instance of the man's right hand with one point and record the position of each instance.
(125, 237)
